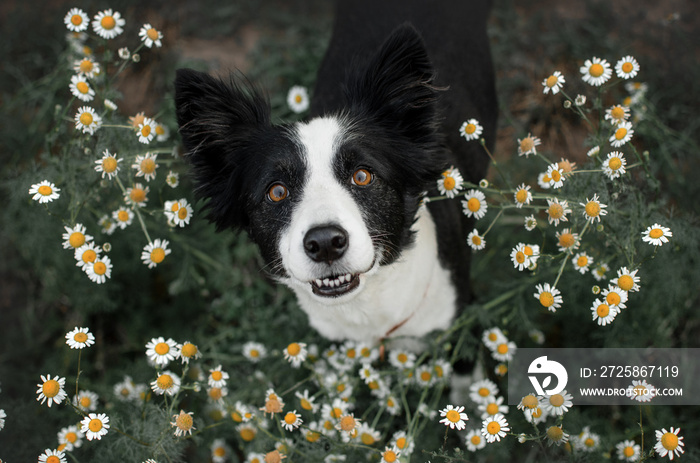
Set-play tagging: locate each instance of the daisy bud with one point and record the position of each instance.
(595, 289)
(567, 104)
(136, 58)
(106, 247)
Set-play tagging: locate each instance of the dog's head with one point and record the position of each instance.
(329, 200)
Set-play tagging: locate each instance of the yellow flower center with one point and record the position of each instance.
(76, 239)
(336, 412)
(656, 233)
(555, 211)
(425, 376)
(290, 418)
(160, 129)
(219, 452)
(401, 442)
(85, 402)
(627, 67)
(565, 165)
(162, 348)
(306, 405)
(366, 352)
(528, 251)
(520, 257)
(390, 402)
(552, 81)
(476, 439)
(298, 98)
(347, 423)
(596, 70)
(351, 353)
(557, 400)
(502, 348)
(669, 441)
(313, 436)
(184, 421)
(592, 209)
(123, 216)
(627, 101)
(493, 428)
(492, 408)
(473, 204)
(188, 350)
(367, 438)
(546, 299)
(582, 261)
(625, 282)
(45, 190)
(95, 425)
(217, 375)
(484, 392)
(620, 133)
(148, 166)
(556, 176)
(88, 256)
(527, 144)
(555, 433)
(86, 118)
(146, 130)
(613, 298)
(476, 240)
(152, 34)
(99, 268)
(76, 20)
(293, 349)
(53, 459)
(71, 437)
(589, 442)
(536, 413)
(86, 66)
(403, 358)
(470, 129)
(603, 310)
(389, 456)
(165, 382)
(157, 255)
(137, 195)
(182, 213)
(82, 87)
(108, 22)
(628, 451)
(521, 196)
(438, 371)
(617, 112)
(566, 240)
(529, 401)
(449, 183)
(109, 164)
(254, 353)
(51, 388)
(247, 434)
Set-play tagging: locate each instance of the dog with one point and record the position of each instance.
(335, 202)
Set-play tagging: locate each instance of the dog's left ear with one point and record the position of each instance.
(396, 86)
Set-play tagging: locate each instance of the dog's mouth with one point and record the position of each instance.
(335, 285)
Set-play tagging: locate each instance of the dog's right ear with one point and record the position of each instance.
(218, 122)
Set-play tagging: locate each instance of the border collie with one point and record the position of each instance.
(334, 202)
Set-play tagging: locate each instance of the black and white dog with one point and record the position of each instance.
(334, 203)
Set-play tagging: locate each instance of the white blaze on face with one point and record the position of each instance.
(324, 201)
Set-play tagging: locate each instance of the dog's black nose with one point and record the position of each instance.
(326, 244)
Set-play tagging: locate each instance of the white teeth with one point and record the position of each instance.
(319, 283)
(334, 282)
(325, 282)
(341, 278)
(348, 277)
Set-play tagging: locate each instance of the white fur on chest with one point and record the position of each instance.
(414, 291)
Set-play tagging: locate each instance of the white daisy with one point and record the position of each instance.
(75, 236)
(471, 129)
(44, 192)
(87, 120)
(626, 280)
(167, 382)
(556, 404)
(617, 114)
(86, 401)
(656, 235)
(172, 179)
(217, 377)
(295, 353)
(160, 351)
(528, 145)
(76, 20)
(596, 71)
(137, 195)
(530, 222)
(108, 164)
(99, 270)
(593, 209)
(178, 212)
(614, 165)
(493, 337)
(600, 271)
(146, 130)
(80, 338)
(123, 217)
(254, 351)
(145, 166)
(87, 67)
(556, 175)
(402, 359)
(52, 456)
(669, 443)
(298, 99)
(454, 417)
(623, 133)
(492, 407)
(108, 24)
(494, 428)
(628, 451)
(51, 390)
(95, 426)
(603, 313)
(150, 36)
(641, 391)
(549, 296)
(474, 204)
(71, 438)
(522, 195)
(291, 421)
(557, 210)
(553, 83)
(476, 241)
(80, 88)
(481, 391)
(582, 262)
(627, 67)
(474, 440)
(615, 297)
(450, 183)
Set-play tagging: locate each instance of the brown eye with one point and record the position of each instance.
(277, 192)
(362, 177)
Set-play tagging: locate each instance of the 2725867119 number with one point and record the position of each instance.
(637, 371)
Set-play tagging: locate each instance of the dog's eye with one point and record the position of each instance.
(362, 177)
(277, 192)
